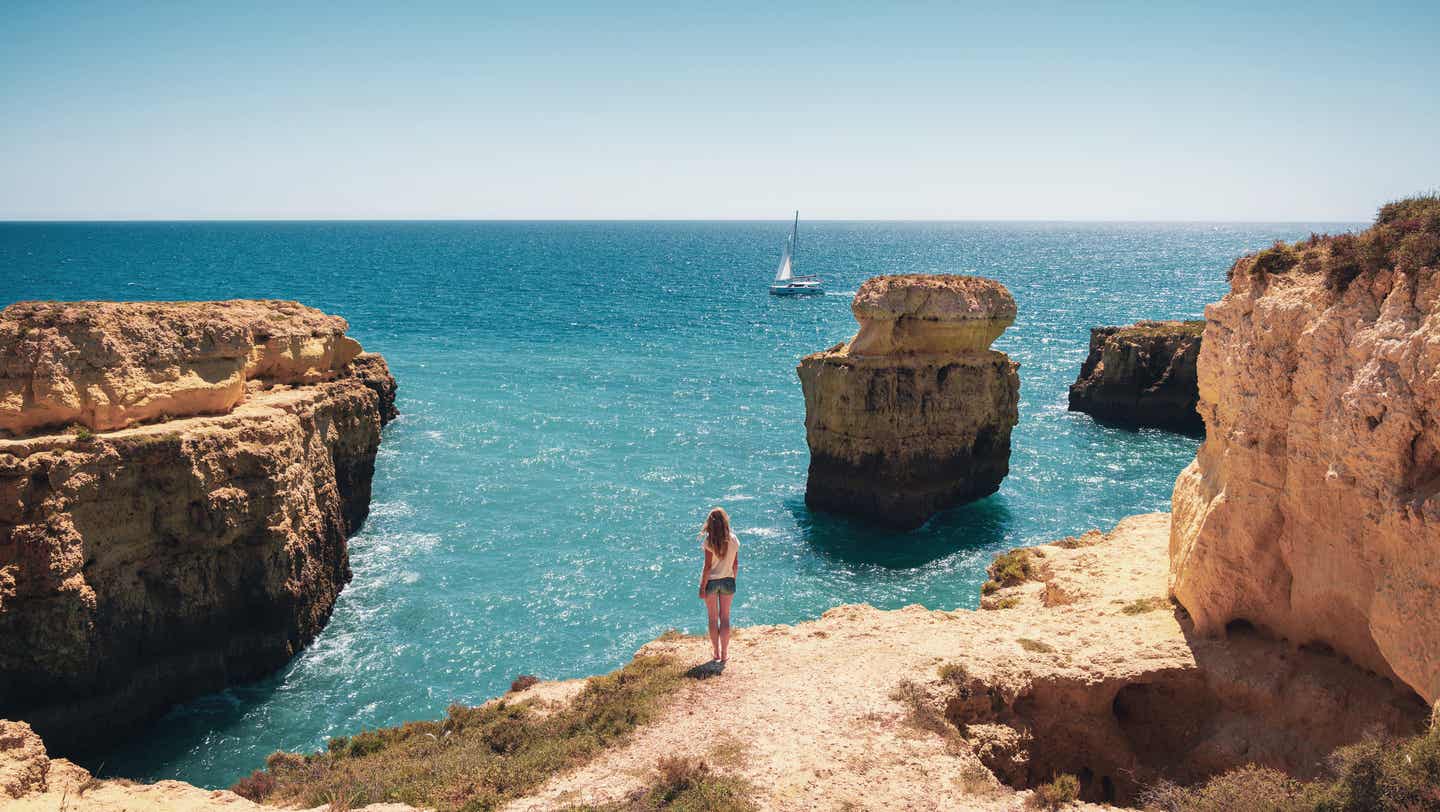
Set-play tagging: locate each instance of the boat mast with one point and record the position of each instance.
(794, 238)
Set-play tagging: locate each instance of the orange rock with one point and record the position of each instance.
(107, 365)
(1313, 508)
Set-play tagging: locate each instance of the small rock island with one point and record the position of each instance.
(176, 492)
(913, 415)
(1142, 375)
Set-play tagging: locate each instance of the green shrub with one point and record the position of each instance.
(1012, 568)
(1063, 790)
(1276, 259)
(954, 673)
(82, 432)
(477, 757)
(1405, 236)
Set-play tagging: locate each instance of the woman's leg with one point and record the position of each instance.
(712, 605)
(725, 626)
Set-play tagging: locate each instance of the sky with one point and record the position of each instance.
(736, 110)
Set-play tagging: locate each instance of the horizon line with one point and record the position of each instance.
(200, 220)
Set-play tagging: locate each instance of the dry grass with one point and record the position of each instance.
(920, 712)
(1035, 646)
(1014, 567)
(1062, 791)
(684, 785)
(1143, 605)
(1163, 329)
(477, 757)
(1385, 775)
(1008, 602)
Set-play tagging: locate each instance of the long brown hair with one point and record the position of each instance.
(716, 531)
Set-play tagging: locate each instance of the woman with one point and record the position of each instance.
(717, 579)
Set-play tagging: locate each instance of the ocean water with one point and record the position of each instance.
(575, 397)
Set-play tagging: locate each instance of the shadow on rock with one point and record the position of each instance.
(713, 668)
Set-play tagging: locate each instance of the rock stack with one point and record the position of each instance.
(912, 415)
(174, 501)
(1142, 375)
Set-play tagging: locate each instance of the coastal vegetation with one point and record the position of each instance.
(683, 784)
(1378, 773)
(479, 757)
(1009, 569)
(1058, 793)
(1143, 605)
(1405, 237)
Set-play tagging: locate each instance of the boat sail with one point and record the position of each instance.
(786, 282)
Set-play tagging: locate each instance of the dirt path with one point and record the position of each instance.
(805, 712)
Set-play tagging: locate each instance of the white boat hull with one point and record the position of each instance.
(796, 289)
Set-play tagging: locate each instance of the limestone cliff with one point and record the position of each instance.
(32, 781)
(1313, 508)
(913, 414)
(107, 365)
(1142, 375)
(146, 565)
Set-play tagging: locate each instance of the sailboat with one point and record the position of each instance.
(786, 282)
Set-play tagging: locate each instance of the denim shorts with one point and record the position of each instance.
(722, 586)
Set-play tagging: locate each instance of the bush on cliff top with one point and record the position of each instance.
(1378, 774)
(477, 757)
(1009, 569)
(684, 785)
(1405, 236)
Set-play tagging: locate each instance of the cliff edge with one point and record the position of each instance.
(1313, 507)
(143, 565)
(913, 415)
(1142, 375)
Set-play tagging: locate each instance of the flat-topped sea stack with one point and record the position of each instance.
(1142, 375)
(1312, 510)
(912, 415)
(175, 499)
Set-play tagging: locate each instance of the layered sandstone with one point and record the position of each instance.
(1313, 508)
(32, 781)
(1142, 375)
(107, 365)
(146, 565)
(913, 414)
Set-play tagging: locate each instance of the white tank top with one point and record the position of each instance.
(723, 566)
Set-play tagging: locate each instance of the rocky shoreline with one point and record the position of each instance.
(144, 563)
(1142, 375)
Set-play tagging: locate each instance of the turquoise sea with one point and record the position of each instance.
(575, 396)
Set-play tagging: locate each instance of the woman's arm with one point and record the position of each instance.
(705, 573)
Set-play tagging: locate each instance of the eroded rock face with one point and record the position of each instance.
(1142, 375)
(914, 414)
(107, 365)
(144, 566)
(1313, 508)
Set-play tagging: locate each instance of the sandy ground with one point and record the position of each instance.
(804, 712)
